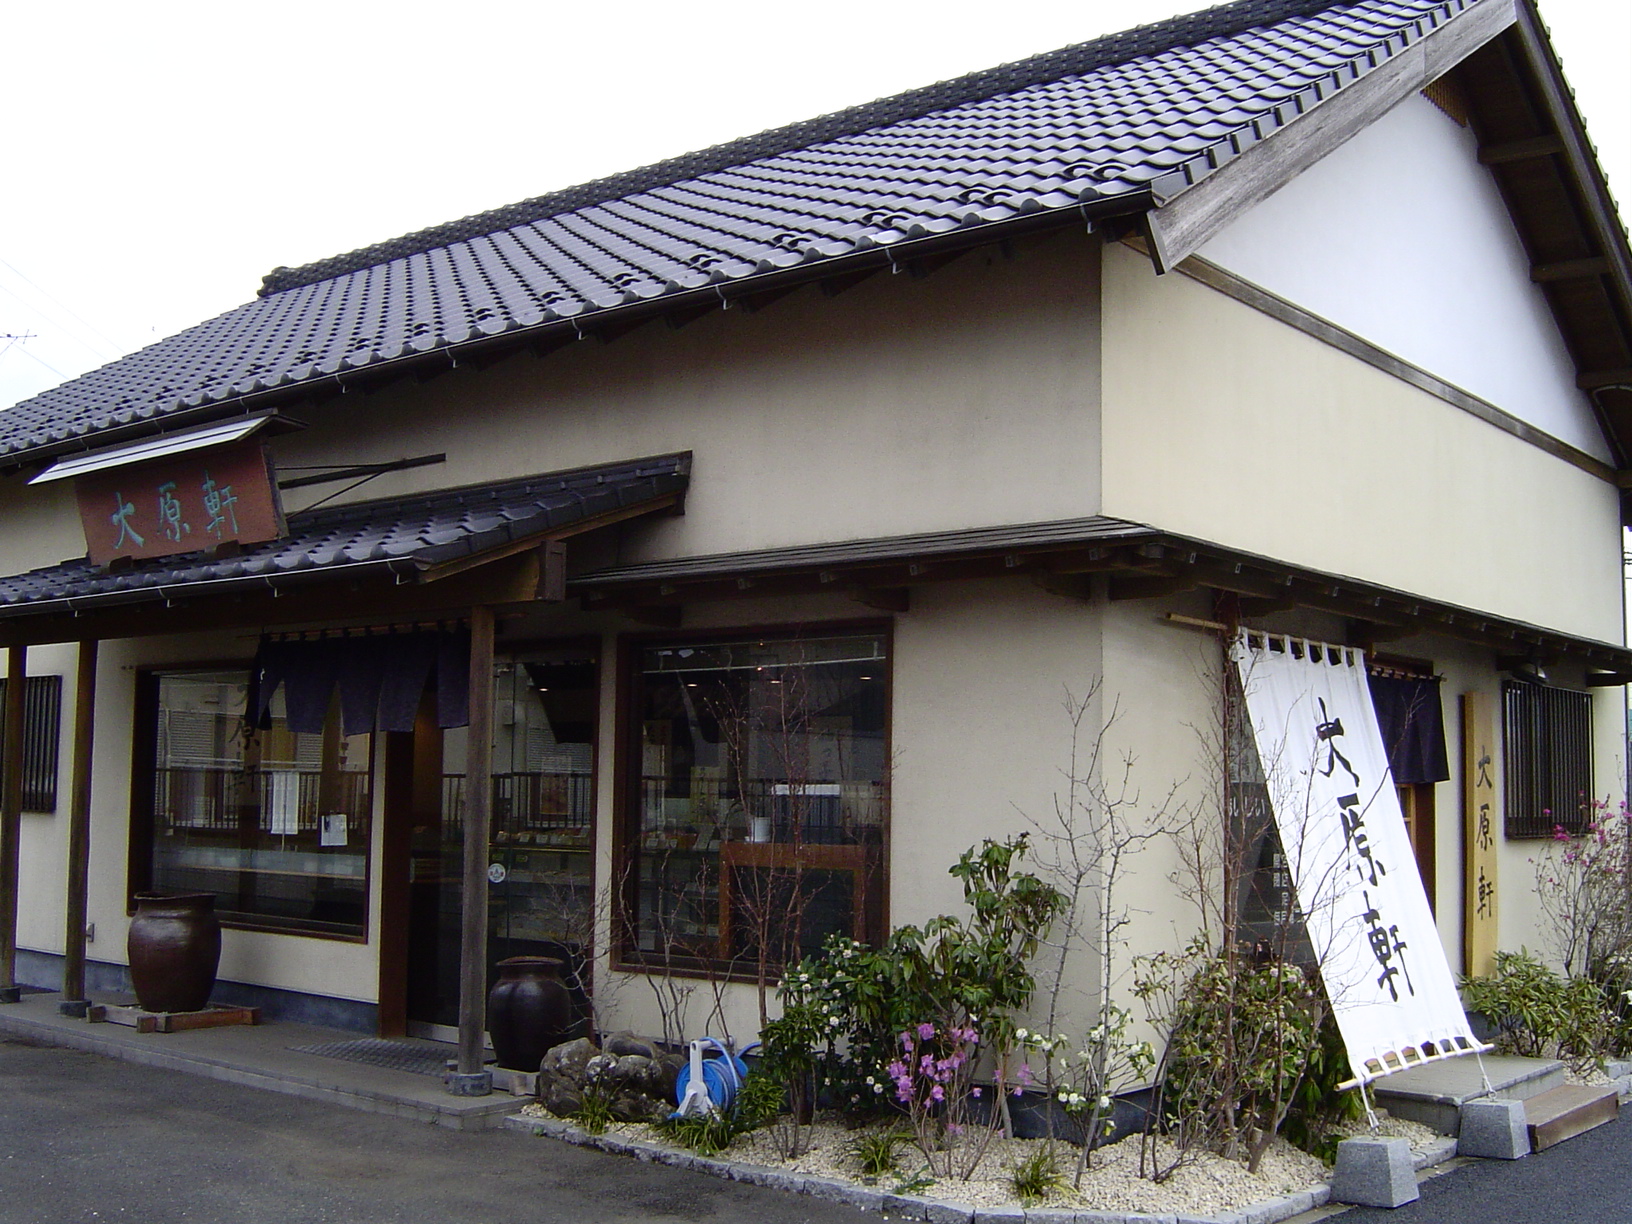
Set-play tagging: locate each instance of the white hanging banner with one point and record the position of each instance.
(1349, 855)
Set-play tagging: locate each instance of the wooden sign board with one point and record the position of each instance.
(184, 503)
(1480, 836)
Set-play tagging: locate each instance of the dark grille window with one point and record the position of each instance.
(42, 712)
(1547, 758)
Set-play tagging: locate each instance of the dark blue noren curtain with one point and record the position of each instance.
(1413, 727)
(381, 679)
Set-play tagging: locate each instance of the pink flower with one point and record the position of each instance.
(975, 1092)
(896, 1069)
(926, 1031)
(937, 1093)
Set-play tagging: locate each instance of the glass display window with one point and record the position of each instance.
(758, 808)
(275, 823)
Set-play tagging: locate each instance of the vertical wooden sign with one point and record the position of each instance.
(1479, 837)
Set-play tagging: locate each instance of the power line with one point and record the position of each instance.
(117, 347)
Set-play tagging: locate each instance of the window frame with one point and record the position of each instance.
(1535, 769)
(42, 741)
(143, 789)
(626, 954)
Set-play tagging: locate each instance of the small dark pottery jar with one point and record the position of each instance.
(528, 1012)
(175, 948)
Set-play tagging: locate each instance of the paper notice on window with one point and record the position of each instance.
(333, 829)
(283, 802)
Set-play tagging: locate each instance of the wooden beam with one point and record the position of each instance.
(527, 543)
(885, 599)
(470, 1079)
(1194, 214)
(1141, 587)
(552, 571)
(1068, 584)
(1521, 150)
(79, 833)
(1570, 269)
(510, 581)
(1596, 380)
(11, 817)
(660, 616)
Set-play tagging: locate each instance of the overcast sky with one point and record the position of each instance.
(162, 157)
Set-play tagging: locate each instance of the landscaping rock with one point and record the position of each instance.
(640, 1086)
(623, 1043)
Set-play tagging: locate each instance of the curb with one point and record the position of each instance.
(931, 1211)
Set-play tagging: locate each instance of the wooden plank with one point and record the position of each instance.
(1186, 221)
(478, 816)
(1570, 269)
(1593, 380)
(11, 817)
(214, 1017)
(79, 825)
(1521, 150)
(1567, 1111)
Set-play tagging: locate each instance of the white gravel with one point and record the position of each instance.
(1203, 1185)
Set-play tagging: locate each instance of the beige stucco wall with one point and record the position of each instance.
(1226, 425)
(965, 398)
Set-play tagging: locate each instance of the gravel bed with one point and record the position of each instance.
(1204, 1185)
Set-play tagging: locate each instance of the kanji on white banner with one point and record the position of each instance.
(1349, 855)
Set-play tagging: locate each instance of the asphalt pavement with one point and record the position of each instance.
(1586, 1180)
(86, 1139)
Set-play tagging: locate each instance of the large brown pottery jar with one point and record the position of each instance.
(175, 947)
(528, 1012)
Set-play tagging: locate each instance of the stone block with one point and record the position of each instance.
(1618, 1068)
(1495, 1130)
(1000, 1215)
(949, 1213)
(1374, 1173)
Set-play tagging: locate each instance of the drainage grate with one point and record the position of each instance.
(418, 1057)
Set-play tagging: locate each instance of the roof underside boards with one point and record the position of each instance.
(1082, 132)
(1089, 558)
(406, 536)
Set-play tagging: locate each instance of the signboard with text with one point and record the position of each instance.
(189, 502)
(1479, 839)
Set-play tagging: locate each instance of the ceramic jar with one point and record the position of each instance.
(175, 948)
(528, 1012)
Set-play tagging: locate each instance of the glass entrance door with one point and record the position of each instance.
(540, 869)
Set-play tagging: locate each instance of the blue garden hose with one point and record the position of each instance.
(723, 1074)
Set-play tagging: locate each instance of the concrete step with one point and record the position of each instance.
(1433, 1093)
(1565, 1112)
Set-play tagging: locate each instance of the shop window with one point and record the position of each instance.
(756, 810)
(275, 823)
(42, 722)
(1547, 759)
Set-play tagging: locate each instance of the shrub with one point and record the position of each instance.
(1541, 1014)
(1243, 1035)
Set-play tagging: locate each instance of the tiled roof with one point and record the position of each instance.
(404, 535)
(1110, 123)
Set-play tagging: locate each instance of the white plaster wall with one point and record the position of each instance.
(1401, 236)
(1226, 425)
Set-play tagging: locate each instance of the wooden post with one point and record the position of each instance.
(74, 1002)
(11, 818)
(470, 1078)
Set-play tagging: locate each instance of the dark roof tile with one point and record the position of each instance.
(1158, 105)
(413, 531)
